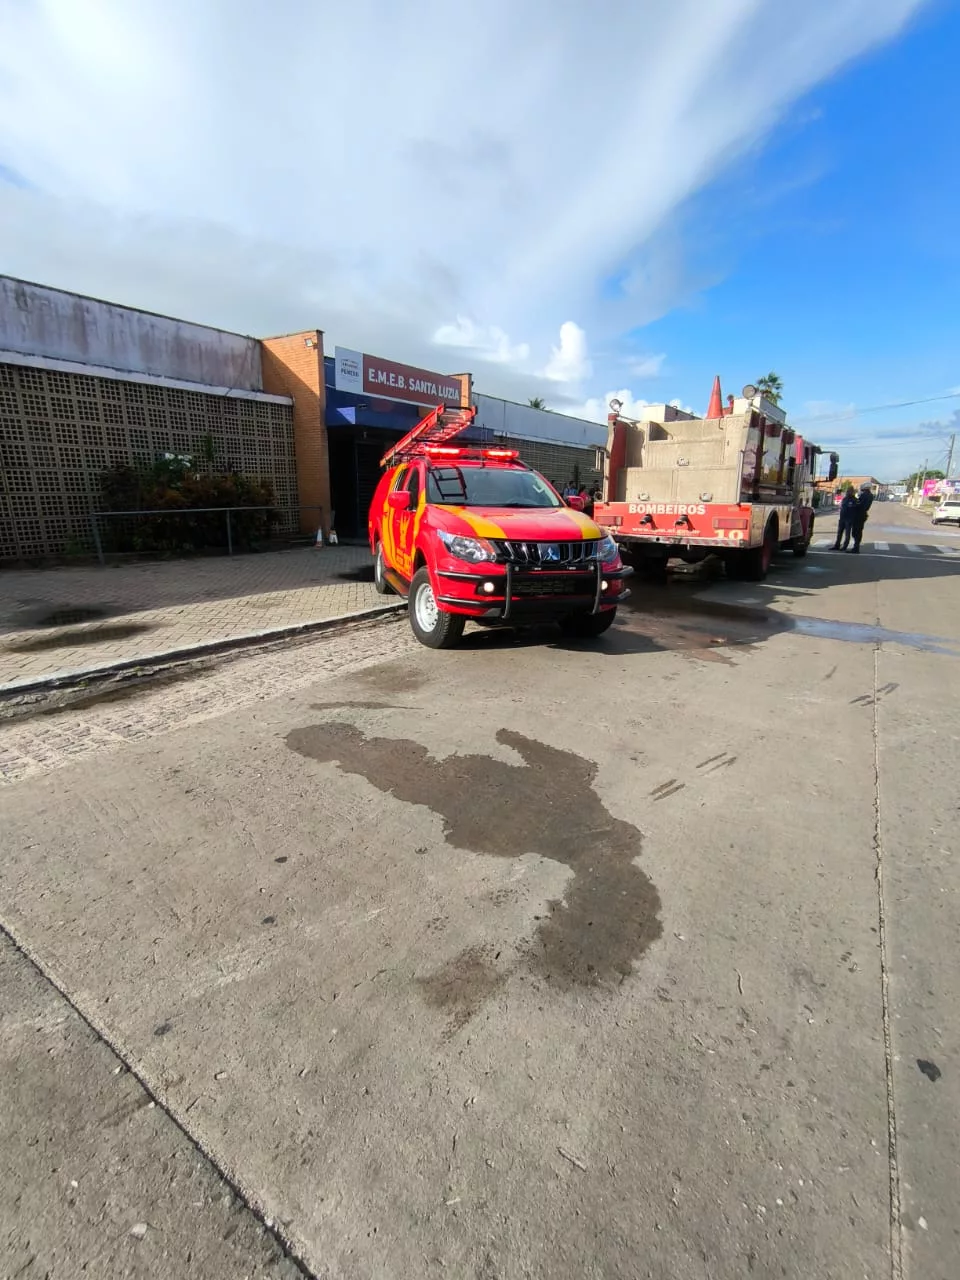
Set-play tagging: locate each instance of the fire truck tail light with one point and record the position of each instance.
(443, 451)
(731, 522)
(507, 454)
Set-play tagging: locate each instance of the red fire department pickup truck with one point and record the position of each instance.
(467, 532)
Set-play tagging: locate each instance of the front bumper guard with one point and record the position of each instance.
(504, 607)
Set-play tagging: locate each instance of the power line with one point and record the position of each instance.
(903, 443)
(878, 408)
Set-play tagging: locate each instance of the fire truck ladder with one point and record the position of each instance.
(437, 427)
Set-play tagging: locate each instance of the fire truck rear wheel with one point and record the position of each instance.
(584, 626)
(431, 626)
(753, 565)
(380, 582)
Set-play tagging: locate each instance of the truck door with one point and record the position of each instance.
(407, 521)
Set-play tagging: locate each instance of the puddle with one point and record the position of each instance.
(674, 618)
(865, 633)
(610, 910)
(73, 639)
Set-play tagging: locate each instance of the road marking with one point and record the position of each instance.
(824, 542)
(915, 549)
(881, 546)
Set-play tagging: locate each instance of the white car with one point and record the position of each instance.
(948, 511)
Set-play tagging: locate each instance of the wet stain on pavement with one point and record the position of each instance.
(391, 677)
(929, 1069)
(461, 986)
(675, 618)
(73, 639)
(610, 911)
(72, 617)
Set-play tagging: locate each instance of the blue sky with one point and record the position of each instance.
(848, 282)
(626, 199)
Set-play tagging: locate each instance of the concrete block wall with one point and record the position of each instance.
(293, 366)
(60, 430)
(558, 462)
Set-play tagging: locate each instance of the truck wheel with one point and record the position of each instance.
(383, 587)
(800, 546)
(754, 565)
(585, 626)
(432, 627)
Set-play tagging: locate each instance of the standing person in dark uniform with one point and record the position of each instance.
(860, 514)
(845, 523)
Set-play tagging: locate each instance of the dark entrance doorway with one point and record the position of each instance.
(355, 454)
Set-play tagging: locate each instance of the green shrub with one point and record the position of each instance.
(173, 484)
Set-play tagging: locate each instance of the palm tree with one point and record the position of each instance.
(771, 387)
(537, 402)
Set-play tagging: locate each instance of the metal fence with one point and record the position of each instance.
(195, 530)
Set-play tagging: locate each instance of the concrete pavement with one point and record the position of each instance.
(61, 623)
(535, 958)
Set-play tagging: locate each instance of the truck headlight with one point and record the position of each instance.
(473, 550)
(607, 549)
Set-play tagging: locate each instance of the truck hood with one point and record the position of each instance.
(520, 524)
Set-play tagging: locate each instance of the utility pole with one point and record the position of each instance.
(953, 441)
(923, 476)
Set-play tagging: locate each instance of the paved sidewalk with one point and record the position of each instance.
(58, 622)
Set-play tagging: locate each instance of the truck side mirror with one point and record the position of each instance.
(398, 500)
(834, 467)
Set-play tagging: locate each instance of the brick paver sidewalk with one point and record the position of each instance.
(61, 621)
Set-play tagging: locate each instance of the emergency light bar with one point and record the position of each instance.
(451, 451)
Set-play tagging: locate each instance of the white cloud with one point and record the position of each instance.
(647, 366)
(489, 344)
(826, 410)
(190, 158)
(597, 407)
(569, 361)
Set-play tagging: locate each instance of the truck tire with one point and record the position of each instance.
(754, 565)
(382, 586)
(431, 626)
(586, 626)
(800, 546)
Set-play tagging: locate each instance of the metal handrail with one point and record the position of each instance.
(191, 511)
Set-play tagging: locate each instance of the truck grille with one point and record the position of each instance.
(548, 555)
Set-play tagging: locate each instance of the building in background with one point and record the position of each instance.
(88, 385)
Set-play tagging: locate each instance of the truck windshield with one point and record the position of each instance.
(489, 487)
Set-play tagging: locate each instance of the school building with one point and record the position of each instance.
(87, 385)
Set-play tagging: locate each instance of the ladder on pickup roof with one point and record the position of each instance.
(437, 427)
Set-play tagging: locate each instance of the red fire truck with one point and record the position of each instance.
(468, 532)
(737, 483)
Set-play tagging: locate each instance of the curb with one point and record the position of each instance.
(165, 657)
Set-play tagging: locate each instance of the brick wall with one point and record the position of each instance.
(293, 366)
(60, 431)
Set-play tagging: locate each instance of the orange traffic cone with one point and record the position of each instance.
(715, 409)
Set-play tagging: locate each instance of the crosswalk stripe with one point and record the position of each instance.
(916, 550)
(881, 546)
(823, 542)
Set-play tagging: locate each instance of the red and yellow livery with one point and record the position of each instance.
(476, 533)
